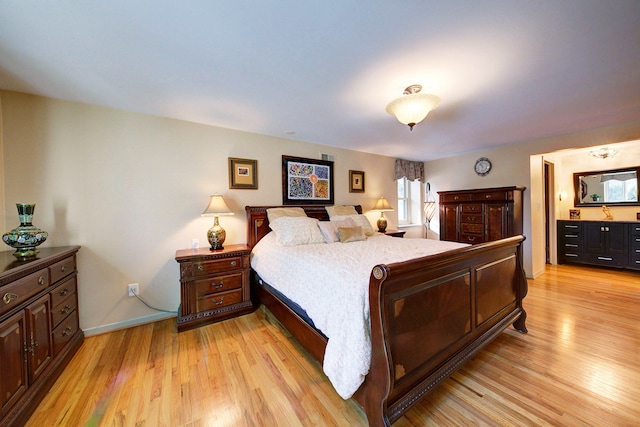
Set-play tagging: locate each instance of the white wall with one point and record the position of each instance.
(129, 188)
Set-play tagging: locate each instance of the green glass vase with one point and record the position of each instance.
(25, 237)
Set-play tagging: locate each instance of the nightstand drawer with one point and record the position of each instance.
(218, 265)
(217, 300)
(218, 284)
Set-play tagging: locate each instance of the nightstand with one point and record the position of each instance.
(214, 285)
(395, 233)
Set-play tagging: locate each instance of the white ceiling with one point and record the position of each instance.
(507, 71)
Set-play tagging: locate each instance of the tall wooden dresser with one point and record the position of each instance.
(39, 332)
(480, 215)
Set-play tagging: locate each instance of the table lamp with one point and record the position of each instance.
(382, 206)
(216, 234)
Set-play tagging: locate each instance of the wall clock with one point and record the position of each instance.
(483, 166)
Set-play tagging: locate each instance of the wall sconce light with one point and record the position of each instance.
(412, 107)
(216, 234)
(382, 206)
(562, 195)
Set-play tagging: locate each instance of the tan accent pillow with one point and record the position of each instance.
(351, 234)
(296, 230)
(360, 220)
(275, 213)
(340, 210)
(329, 229)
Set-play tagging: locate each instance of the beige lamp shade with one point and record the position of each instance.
(216, 234)
(382, 206)
(412, 107)
(217, 207)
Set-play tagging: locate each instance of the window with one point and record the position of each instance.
(620, 191)
(408, 202)
(404, 201)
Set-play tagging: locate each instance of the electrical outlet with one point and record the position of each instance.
(195, 243)
(133, 289)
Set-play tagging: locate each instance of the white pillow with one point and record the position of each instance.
(329, 229)
(275, 213)
(296, 230)
(360, 220)
(337, 210)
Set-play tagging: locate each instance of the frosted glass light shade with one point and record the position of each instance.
(412, 107)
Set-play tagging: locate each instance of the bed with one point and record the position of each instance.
(427, 315)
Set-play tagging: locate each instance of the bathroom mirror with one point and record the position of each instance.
(609, 187)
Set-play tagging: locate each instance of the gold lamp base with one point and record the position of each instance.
(382, 223)
(216, 235)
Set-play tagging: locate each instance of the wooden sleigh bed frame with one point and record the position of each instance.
(428, 315)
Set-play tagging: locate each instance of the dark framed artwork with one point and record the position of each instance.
(356, 181)
(306, 181)
(243, 173)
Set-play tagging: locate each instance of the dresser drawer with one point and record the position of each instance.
(62, 291)
(64, 331)
(218, 300)
(452, 198)
(470, 228)
(569, 227)
(217, 266)
(218, 284)
(471, 217)
(599, 259)
(494, 195)
(472, 207)
(17, 292)
(62, 310)
(62, 269)
(470, 238)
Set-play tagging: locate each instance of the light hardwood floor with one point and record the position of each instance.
(579, 365)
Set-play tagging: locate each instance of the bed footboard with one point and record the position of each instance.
(430, 315)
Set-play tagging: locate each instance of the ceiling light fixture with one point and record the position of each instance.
(412, 107)
(604, 153)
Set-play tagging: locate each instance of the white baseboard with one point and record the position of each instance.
(127, 324)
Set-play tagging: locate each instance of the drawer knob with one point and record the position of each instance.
(63, 268)
(67, 331)
(488, 196)
(200, 267)
(213, 300)
(66, 309)
(41, 280)
(233, 263)
(8, 297)
(64, 292)
(217, 285)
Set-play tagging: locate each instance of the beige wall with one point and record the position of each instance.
(129, 188)
(521, 165)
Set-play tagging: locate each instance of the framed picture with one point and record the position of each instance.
(306, 181)
(356, 181)
(574, 213)
(243, 173)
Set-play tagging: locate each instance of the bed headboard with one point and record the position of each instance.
(258, 222)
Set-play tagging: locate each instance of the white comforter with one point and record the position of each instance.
(330, 281)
